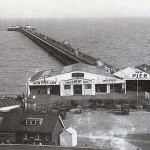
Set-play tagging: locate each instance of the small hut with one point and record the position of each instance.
(68, 137)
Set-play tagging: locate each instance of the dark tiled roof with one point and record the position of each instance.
(37, 75)
(13, 122)
(72, 68)
(144, 67)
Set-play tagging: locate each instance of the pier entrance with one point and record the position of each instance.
(77, 89)
(141, 85)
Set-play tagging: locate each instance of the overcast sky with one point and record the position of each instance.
(73, 8)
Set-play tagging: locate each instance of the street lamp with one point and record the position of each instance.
(137, 84)
(28, 78)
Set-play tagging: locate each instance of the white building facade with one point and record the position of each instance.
(77, 79)
(135, 79)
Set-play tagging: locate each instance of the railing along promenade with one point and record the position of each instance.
(62, 50)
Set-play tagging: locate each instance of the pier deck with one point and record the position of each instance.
(62, 51)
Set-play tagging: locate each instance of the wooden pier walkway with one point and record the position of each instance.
(62, 51)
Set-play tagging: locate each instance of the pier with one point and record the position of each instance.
(61, 50)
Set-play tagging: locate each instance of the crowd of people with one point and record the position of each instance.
(66, 47)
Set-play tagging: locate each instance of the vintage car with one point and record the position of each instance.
(76, 111)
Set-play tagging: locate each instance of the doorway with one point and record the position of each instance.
(77, 89)
(55, 89)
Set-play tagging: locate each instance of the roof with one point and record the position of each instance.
(67, 69)
(144, 67)
(14, 122)
(125, 72)
(71, 131)
(7, 102)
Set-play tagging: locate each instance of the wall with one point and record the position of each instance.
(66, 139)
(58, 129)
(36, 147)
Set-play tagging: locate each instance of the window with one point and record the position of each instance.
(37, 122)
(87, 86)
(77, 74)
(101, 88)
(28, 122)
(67, 87)
(34, 121)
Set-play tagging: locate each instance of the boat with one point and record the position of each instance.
(13, 28)
(28, 27)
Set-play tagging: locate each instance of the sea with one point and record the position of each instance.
(122, 42)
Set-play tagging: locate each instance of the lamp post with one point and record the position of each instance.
(27, 77)
(137, 85)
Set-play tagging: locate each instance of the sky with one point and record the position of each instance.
(73, 8)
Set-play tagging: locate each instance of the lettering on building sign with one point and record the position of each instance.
(36, 83)
(77, 81)
(139, 75)
(109, 80)
(86, 82)
(45, 82)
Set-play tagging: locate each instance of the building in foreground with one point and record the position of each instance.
(25, 128)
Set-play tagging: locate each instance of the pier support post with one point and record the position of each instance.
(93, 87)
(108, 88)
(124, 87)
(61, 88)
(48, 90)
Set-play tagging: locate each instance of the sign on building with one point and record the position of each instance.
(139, 74)
(77, 81)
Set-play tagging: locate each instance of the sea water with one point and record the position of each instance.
(121, 42)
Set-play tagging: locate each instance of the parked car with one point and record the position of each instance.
(76, 111)
(125, 109)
